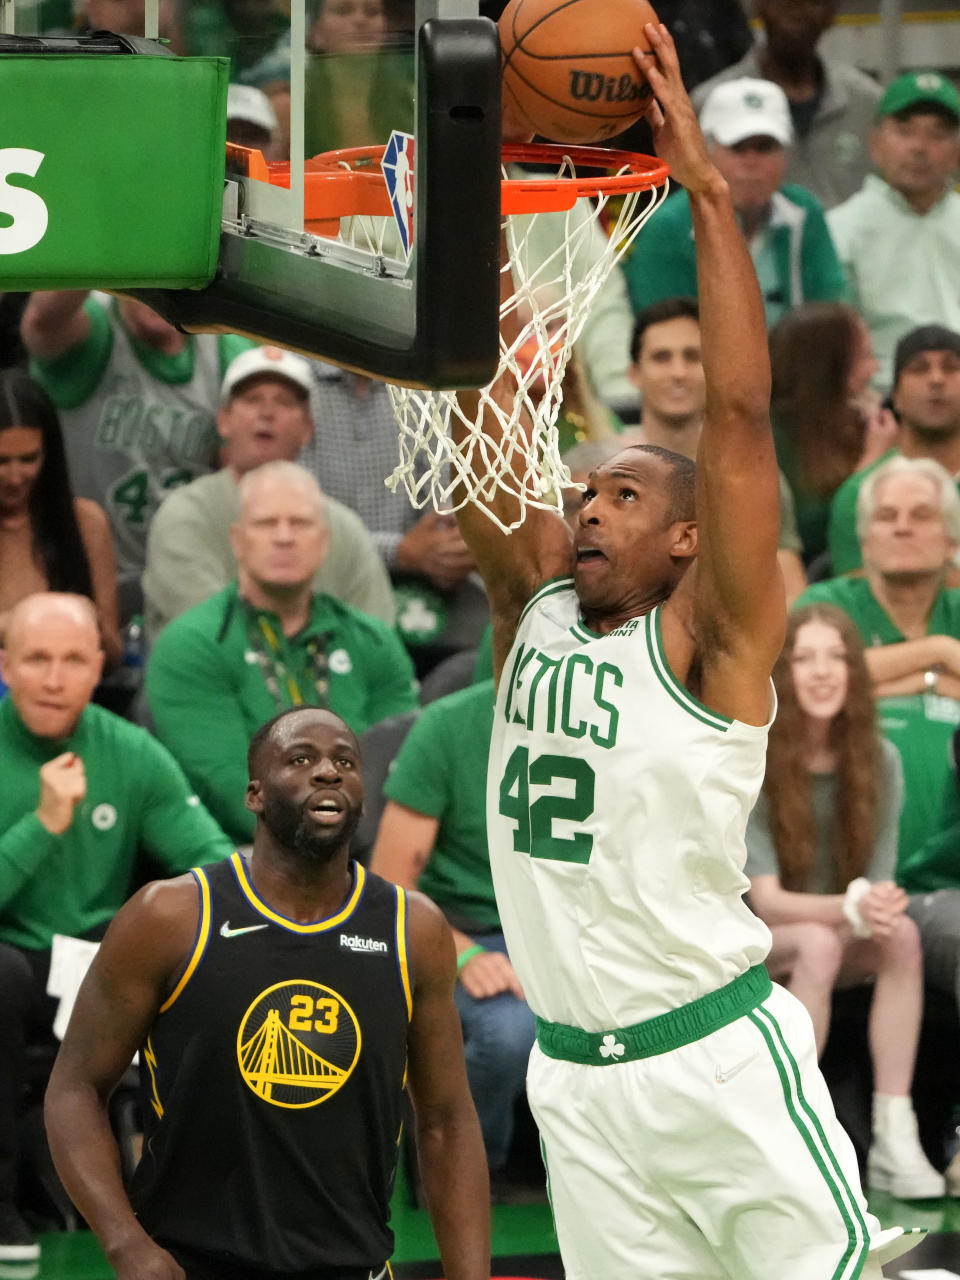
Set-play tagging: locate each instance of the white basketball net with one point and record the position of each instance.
(558, 263)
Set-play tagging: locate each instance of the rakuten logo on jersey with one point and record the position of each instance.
(28, 211)
(353, 942)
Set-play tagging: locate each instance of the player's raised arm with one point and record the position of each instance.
(512, 565)
(735, 598)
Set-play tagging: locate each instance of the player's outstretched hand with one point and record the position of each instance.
(676, 131)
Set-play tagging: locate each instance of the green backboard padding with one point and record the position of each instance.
(130, 183)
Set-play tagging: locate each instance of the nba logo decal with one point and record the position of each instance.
(397, 165)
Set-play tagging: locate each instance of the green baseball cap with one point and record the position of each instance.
(918, 87)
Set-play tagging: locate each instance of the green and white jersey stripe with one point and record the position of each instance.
(809, 1126)
(617, 804)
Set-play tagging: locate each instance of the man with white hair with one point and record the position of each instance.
(749, 133)
(908, 520)
(266, 642)
(266, 414)
(926, 401)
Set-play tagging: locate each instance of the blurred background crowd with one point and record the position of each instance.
(222, 506)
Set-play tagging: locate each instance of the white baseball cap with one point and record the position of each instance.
(274, 362)
(747, 108)
(245, 102)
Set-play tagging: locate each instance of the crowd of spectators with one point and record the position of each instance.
(210, 514)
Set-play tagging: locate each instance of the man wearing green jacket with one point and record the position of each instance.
(83, 792)
(268, 642)
(749, 132)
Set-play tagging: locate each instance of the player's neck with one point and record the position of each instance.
(291, 605)
(680, 435)
(603, 622)
(300, 888)
(907, 598)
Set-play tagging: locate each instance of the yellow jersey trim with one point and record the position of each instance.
(150, 1059)
(203, 934)
(402, 949)
(320, 926)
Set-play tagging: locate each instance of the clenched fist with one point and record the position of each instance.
(63, 784)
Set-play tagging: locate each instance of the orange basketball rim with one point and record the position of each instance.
(350, 182)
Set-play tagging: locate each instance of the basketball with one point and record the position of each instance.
(568, 69)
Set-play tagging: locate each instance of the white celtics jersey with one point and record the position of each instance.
(616, 808)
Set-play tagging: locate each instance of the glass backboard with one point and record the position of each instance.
(310, 76)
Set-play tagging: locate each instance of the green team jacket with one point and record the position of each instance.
(137, 798)
(663, 262)
(207, 692)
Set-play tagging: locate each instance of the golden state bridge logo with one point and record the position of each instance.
(297, 1044)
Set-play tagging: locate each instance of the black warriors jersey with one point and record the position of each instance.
(272, 1081)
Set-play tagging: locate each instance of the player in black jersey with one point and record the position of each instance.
(280, 1007)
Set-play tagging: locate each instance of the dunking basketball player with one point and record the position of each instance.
(686, 1127)
(279, 1007)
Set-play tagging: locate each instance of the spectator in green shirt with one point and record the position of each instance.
(83, 791)
(908, 516)
(433, 837)
(268, 642)
(926, 400)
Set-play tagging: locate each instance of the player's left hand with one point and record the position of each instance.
(676, 131)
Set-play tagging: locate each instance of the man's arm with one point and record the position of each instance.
(130, 977)
(95, 532)
(405, 840)
(388, 672)
(403, 844)
(175, 828)
(198, 718)
(53, 322)
(188, 558)
(453, 1164)
(29, 841)
(912, 658)
(730, 611)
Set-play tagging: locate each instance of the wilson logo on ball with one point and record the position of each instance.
(589, 86)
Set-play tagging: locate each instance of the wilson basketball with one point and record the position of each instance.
(568, 68)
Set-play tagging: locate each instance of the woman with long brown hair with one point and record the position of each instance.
(827, 421)
(49, 540)
(821, 854)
